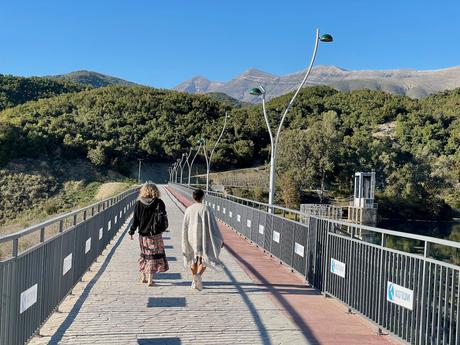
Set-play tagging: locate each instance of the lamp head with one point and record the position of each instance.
(326, 38)
(257, 91)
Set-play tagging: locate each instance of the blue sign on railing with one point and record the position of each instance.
(400, 295)
(338, 268)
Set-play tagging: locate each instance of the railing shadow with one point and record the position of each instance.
(309, 336)
(252, 309)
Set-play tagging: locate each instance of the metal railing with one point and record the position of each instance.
(35, 278)
(410, 291)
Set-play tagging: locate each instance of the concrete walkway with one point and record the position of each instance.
(111, 306)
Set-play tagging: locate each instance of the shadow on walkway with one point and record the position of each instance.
(159, 341)
(309, 336)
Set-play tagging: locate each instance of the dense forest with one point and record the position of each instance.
(18, 90)
(413, 145)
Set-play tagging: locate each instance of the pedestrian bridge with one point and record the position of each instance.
(283, 282)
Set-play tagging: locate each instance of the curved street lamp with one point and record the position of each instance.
(176, 165)
(190, 165)
(184, 155)
(208, 160)
(260, 91)
(179, 167)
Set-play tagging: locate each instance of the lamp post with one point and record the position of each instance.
(171, 173)
(184, 155)
(208, 160)
(260, 91)
(175, 172)
(139, 172)
(190, 165)
(179, 161)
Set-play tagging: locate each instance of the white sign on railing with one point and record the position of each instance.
(109, 225)
(238, 218)
(261, 229)
(400, 295)
(298, 249)
(88, 245)
(276, 236)
(213, 206)
(28, 298)
(121, 214)
(100, 233)
(230, 214)
(218, 208)
(223, 210)
(67, 264)
(116, 219)
(248, 223)
(338, 267)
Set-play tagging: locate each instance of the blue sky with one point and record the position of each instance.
(162, 43)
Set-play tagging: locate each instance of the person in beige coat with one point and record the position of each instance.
(201, 239)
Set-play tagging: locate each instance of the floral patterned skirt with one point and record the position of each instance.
(153, 257)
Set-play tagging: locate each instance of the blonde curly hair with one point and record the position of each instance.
(149, 191)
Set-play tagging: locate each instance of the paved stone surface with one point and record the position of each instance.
(111, 306)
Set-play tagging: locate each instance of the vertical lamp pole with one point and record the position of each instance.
(170, 171)
(179, 168)
(190, 166)
(184, 155)
(260, 91)
(175, 172)
(139, 172)
(208, 160)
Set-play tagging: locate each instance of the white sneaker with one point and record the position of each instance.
(193, 286)
(198, 283)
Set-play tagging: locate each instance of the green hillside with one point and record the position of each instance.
(19, 90)
(414, 145)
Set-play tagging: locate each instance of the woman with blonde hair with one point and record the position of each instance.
(150, 218)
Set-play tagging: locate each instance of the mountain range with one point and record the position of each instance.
(413, 83)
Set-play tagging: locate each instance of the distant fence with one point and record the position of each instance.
(320, 210)
(35, 281)
(411, 294)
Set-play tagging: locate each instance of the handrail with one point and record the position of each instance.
(36, 227)
(409, 235)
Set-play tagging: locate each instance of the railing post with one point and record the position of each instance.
(84, 215)
(326, 265)
(61, 225)
(42, 235)
(15, 247)
(75, 219)
(350, 265)
(379, 307)
(426, 254)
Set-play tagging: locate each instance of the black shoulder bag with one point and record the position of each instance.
(160, 220)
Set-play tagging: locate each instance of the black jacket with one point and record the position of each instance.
(144, 212)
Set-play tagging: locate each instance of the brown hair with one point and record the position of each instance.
(149, 190)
